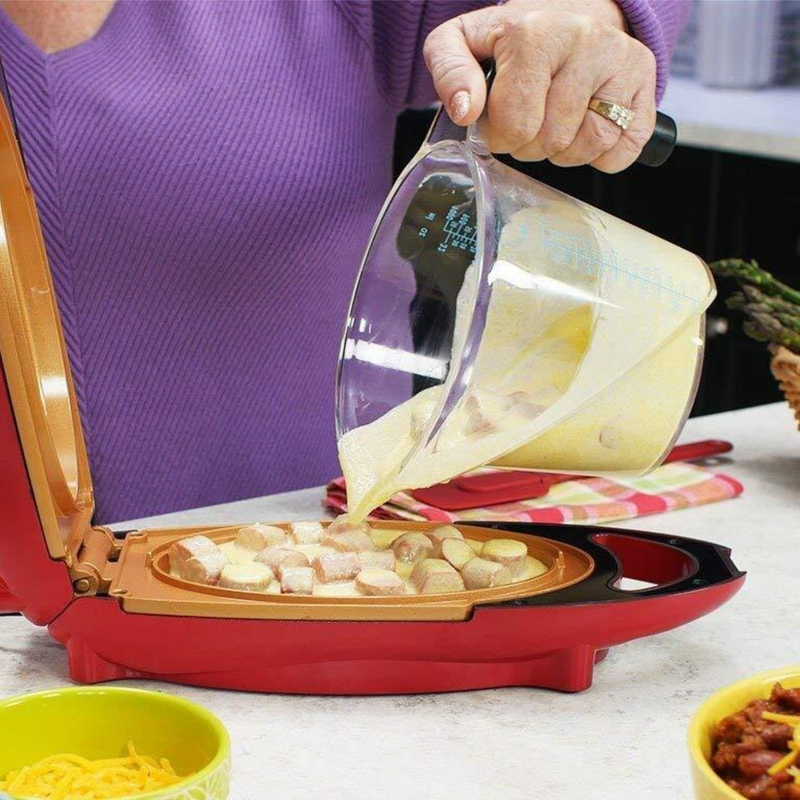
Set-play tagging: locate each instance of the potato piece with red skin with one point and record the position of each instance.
(306, 532)
(376, 582)
(259, 536)
(186, 549)
(440, 534)
(343, 523)
(349, 541)
(480, 573)
(436, 576)
(412, 546)
(485, 410)
(276, 557)
(379, 559)
(252, 577)
(456, 552)
(296, 580)
(510, 552)
(205, 568)
(336, 567)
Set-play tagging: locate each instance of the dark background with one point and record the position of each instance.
(715, 204)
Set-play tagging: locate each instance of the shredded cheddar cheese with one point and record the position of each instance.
(787, 719)
(787, 762)
(67, 776)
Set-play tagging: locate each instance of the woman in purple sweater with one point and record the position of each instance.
(207, 174)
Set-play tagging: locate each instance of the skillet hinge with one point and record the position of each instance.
(95, 564)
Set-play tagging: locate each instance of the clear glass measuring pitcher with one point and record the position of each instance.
(498, 321)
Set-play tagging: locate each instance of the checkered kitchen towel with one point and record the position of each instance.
(594, 500)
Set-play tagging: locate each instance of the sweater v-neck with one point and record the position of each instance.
(23, 40)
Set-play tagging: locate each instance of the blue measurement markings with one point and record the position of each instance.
(574, 251)
(458, 232)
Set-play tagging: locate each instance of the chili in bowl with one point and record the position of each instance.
(745, 740)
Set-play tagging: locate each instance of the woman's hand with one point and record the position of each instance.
(552, 57)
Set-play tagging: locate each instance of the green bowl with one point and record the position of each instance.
(99, 722)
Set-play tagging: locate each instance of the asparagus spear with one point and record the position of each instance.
(752, 302)
(755, 295)
(765, 328)
(748, 272)
(772, 308)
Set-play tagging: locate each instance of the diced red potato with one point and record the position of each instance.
(523, 404)
(306, 532)
(479, 573)
(276, 557)
(379, 582)
(192, 547)
(382, 559)
(435, 576)
(336, 567)
(204, 568)
(612, 434)
(438, 535)
(343, 523)
(412, 546)
(252, 577)
(258, 537)
(484, 410)
(353, 541)
(297, 580)
(510, 552)
(456, 552)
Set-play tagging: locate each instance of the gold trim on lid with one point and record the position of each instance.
(36, 365)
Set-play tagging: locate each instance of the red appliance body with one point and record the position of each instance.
(551, 641)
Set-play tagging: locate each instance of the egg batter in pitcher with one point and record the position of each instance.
(588, 357)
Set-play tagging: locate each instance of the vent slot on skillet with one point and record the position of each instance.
(639, 562)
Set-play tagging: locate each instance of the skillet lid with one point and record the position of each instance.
(35, 362)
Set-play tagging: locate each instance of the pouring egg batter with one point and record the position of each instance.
(586, 362)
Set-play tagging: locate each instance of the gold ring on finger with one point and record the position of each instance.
(618, 114)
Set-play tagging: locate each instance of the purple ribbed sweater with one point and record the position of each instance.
(207, 175)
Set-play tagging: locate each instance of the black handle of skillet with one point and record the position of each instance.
(698, 564)
(659, 147)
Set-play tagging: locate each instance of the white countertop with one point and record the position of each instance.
(519, 743)
(763, 122)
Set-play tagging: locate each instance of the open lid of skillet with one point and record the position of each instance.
(39, 408)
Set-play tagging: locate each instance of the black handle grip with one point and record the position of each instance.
(661, 144)
(678, 565)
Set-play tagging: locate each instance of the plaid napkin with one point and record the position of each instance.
(594, 500)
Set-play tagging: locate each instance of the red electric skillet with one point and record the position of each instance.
(112, 603)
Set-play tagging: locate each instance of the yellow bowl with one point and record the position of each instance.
(99, 722)
(707, 784)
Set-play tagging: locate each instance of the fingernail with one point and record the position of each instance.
(459, 106)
